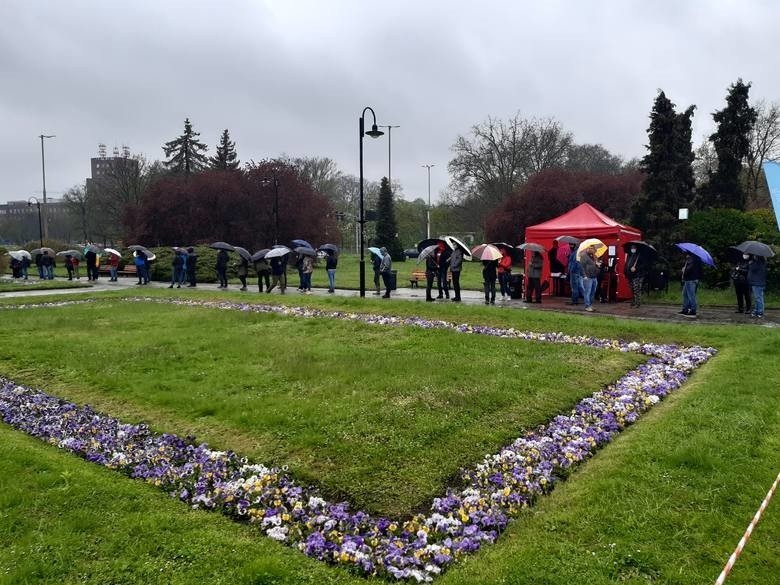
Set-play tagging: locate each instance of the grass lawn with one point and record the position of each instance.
(666, 502)
(7, 285)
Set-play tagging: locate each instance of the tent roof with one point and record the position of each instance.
(583, 220)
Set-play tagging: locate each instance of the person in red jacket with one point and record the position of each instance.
(504, 272)
(113, 266)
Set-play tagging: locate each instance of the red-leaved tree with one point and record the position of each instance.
(550, 193)
(234, 206)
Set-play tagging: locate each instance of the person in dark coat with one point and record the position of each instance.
(69, 265)
(140, 266)
(47, 263)
(39, 266)
(177, 269)
(376, 262)
(25, 265)
(263, 270)
(385, 269)
(431, 271)
(242, 270)
(331, 262)
(691, 275)
(534, 278)
(756, 278)
(222, 264)
(741, 287)
(279, 274)
(489, 276)
(91, 265)
(635, 271)
(574, 270)
(443, 259)
(192, 267)
(456, 265)
(16, 268)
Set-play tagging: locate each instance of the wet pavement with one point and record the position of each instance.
(649, 311)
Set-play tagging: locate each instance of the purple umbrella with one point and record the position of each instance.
(697, 251)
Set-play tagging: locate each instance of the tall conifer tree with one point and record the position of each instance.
(668, 165)
(386, 228)
(186, 154)
(732, 144)
(226, 158)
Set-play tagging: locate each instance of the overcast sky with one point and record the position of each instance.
(293, 76)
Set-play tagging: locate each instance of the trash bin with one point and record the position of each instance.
(393, 279)
(516, 286)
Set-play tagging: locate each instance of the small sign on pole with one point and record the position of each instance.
(682, 213)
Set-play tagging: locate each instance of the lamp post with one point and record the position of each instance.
(43, 170)
(373, 133)
(389, 153)
(429, 197)
(275, 182)
(40, 227)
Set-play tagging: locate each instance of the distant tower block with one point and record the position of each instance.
(115, 152)
(102, 150)
(125, 151)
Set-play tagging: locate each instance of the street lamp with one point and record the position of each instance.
(43, 170)
(275, 182)
(40, 227)
(389, 153)
(373, 133)
(429, 197)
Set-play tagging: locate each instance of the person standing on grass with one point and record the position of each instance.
(69, 265)
(574, 269)
(489, 275)
(385, 269)
(221, 267)
(534, 278)
(278, 272)
(192, 266)
(691, 275)
(263, 270)
(756, 278)
(331, 262)
(739, 276)
(376, 262)
(456, 264)
(431, 270)
(590, 272)
(635, 271)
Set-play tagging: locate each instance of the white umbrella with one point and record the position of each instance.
(112, 251)
(454, 242)
(278, 252)
(19, 254)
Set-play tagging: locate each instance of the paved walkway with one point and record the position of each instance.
(649, 311)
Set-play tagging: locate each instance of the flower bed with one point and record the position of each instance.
(420, 547)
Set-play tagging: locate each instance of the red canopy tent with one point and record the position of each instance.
(585, 221)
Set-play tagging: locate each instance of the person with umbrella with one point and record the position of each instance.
(535, 266)
(376, 263)
(691, 275)
(25, 266)
(635, 271)
(221, 268)
(739, 276)
(574, 269)
(385, 269)
(177, 269)
(489, 275)
(47, 262)
(331, 262)
(113, 263)
(140, 266)
(443, 258)
(756, 278)
(307, 268)
(456, 265)
(278, 272)
(590, 273)
(431, 271)
(192, 267)
(69, 265)
(263, 270)
(504, 272)
(91, 256)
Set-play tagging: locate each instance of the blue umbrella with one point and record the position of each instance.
(301, 244)
(697, 251)
(375, 251)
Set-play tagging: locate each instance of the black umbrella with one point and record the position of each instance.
(243, 252)
(260, 254)
(305, 251)
(333, 248)
(301, 244)
(755, 248)
(222, 246)
(568, 239)
(532, 247)
(430, 242)
(642, 247)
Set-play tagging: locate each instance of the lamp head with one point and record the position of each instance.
(374, 132)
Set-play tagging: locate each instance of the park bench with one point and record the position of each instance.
(128, 270)
(418, 276)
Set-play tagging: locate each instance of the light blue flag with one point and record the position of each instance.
(772, 172)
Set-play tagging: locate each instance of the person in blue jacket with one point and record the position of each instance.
(756, 278)
(574, 270)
